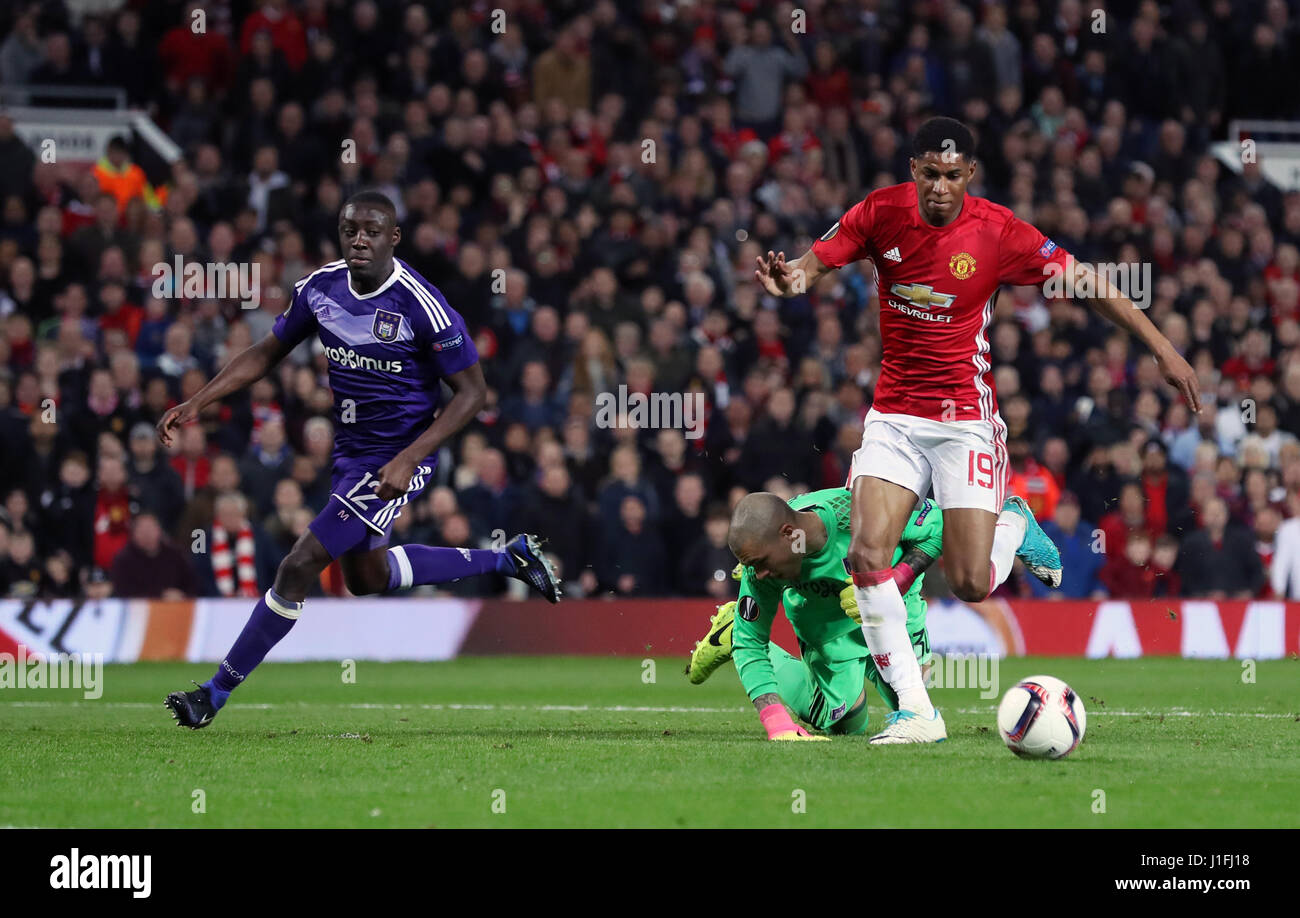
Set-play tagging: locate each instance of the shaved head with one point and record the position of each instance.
(757, 521)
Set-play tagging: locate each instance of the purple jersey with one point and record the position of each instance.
(388, 352)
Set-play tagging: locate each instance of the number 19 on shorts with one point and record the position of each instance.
(979, 469)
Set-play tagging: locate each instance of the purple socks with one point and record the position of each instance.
(271, 620)
(414, 565)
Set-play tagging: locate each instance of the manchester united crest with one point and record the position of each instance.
(962, 265)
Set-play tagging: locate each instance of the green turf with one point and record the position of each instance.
(428, 744)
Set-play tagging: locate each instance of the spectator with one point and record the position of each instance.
(123, 179)
(20, 568)
(155, 484)
(113, 511)
(21, 52)
(1164, 562)
(1266, 436)
(706, 566)
(281, 525)
(552, 497)
(1129, 517)
(186, 54)
(277, 18)
(761, 68)
(626, 480)
(1165, 490)
(563, 72)
(238, 560)
(58, 577)
(201, 506)
(777, 446)
(1031, 481)
(95, 584)
(633, 561)
(672, 459)
(1265, 528)
(60, 67)
(1130, 574)
(1082, 553)
(1284, 570)
(534, 406)
(150, 566)
(269, 460)
(69, 512)
(191, 463)
(488, 502)
(88, 243)
(1219, 561)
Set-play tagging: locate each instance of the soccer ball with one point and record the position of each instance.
(1041, 718)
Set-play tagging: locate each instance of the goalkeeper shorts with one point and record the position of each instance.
(837, 674)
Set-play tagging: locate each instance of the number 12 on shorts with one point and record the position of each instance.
(981, 463)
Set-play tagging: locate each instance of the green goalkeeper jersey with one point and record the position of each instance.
(812, 602)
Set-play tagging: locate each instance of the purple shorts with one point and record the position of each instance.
(355, 518)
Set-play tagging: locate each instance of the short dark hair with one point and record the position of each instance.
(943, 135)
(376, 199)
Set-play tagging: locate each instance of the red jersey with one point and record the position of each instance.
(937, 288)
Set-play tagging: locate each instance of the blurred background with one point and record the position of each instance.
(589, 184)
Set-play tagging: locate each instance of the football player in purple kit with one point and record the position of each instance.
(391, 339)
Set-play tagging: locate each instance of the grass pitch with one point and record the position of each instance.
(587, 742)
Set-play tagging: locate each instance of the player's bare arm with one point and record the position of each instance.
(1118, 308)
(469, 390)
(245, 369)
(917, 560)
(786, 279)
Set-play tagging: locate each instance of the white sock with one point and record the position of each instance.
(1008, 535)
(884, 625)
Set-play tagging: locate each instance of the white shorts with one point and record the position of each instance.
(965, 461)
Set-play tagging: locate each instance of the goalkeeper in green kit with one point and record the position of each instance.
(793, 553)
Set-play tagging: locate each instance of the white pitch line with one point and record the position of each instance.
(1173, 712)
(614, 709)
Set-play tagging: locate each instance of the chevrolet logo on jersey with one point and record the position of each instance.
(924, 298)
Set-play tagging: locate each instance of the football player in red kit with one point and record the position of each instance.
(940, 257)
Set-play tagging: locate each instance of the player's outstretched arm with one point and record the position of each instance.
(786, 279)
(778, 723)
(245, 369)
(1114, 305)
(469, 390)
(751, 639)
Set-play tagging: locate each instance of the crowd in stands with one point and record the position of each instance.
(589, 184)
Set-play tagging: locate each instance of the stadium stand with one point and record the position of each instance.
(589, 185)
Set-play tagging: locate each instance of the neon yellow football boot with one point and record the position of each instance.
(715, 649)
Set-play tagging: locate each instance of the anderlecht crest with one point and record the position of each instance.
(387, 325)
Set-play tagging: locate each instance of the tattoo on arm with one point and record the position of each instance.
(917, 560)
(763, 701)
